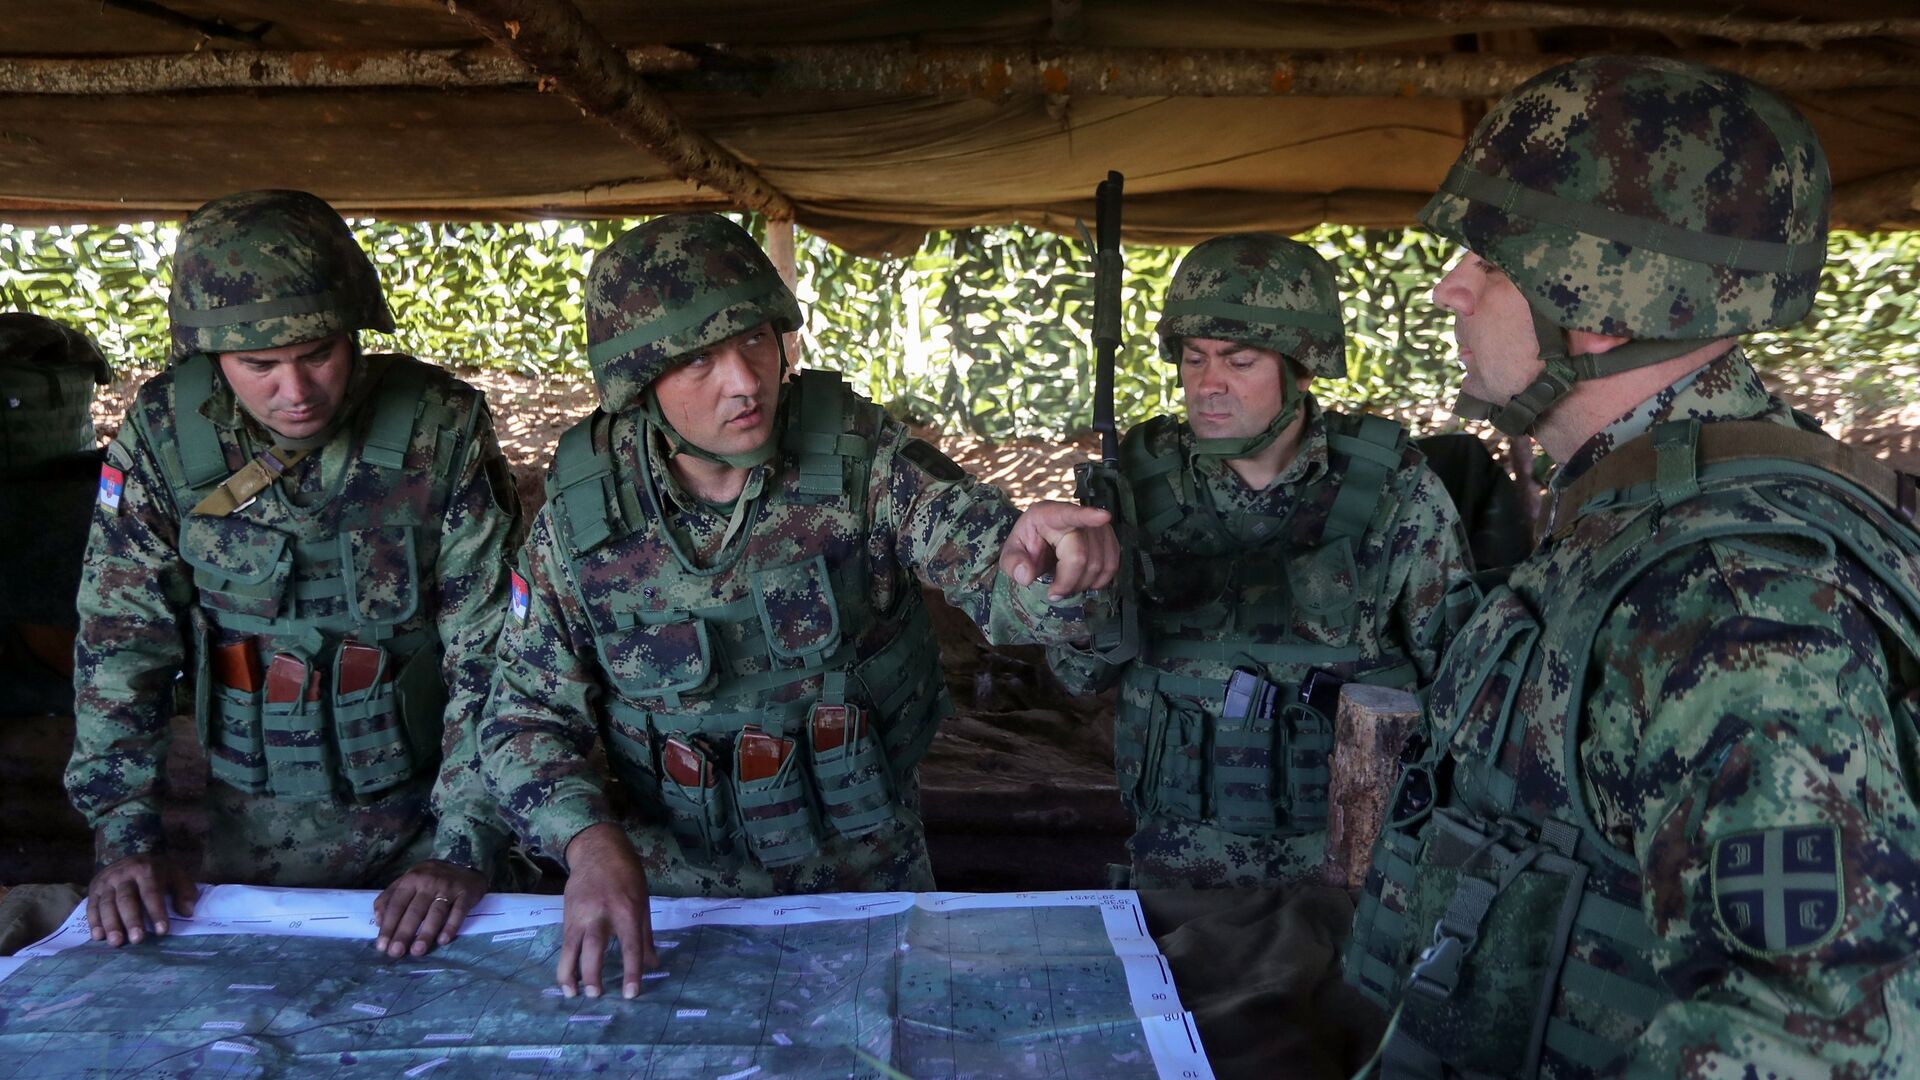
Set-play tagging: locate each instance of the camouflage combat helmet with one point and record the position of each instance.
(1257, 289)
(47, 374)
(1263, 290)
(672, 286)
(1647, 198)
(263, 269)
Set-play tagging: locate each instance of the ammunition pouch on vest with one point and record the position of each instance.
(316, 667)
(694, 678)
(1222, 582)
(1511, 942)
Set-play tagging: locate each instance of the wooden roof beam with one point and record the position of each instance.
(991, 71)
(234, 69)
(1674, 24)
(987, 71)
(1890, 200)
(556, 42)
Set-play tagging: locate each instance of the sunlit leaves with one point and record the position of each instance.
(982, 330)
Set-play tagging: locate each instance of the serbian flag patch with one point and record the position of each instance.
(517, 596)
(112, 483)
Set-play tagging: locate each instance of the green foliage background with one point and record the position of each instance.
(982, 330)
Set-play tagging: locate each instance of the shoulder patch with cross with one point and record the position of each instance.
(1778, 891)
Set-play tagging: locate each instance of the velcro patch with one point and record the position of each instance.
(1779, 891)
(518, 596)
(113, 483)
(931, 461)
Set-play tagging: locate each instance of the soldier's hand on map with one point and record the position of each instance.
(605, 901)
(1074, 543)
(128, 894)
(426, 906)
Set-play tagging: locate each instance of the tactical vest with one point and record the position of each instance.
(1221, 583)
(317, 660)
(1515, 944)
(764, 637)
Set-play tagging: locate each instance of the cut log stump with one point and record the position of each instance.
(1370, 728)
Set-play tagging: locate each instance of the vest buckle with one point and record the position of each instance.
(1436, 973)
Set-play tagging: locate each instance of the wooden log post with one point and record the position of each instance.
(780, 249)
(1370, 728)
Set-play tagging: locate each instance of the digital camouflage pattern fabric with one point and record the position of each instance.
(1646, 198)
(670, 287)
(262, 269)
(1666, 825)
(1705, 706)
(1344, 564)
(436, 589)
(322, 624)
(1657, 200)
(1258, 289)
(676, 628)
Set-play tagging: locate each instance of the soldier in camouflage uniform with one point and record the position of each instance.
(1300, 546)
(49, 462)
(48, 372)
(318, 539)
(722, 595)
(1668, 827)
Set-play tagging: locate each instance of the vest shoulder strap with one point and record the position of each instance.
(202, 463)
(1800, 505)
(1671, 461)
(581, 486)
(397, 403)
(819, 439)
(1150, 461)
(1372, 448)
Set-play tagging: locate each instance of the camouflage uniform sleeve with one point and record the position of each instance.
(948, 528)
(135, 607)
(479, 533)
(1428, 573)
(1743, 747)
(538, 728)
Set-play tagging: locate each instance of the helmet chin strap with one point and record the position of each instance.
(1518, 415)
(680, 444)
(1249, 445)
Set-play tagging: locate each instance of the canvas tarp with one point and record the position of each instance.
(872, 169)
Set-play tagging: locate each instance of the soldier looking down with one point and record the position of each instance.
(723, 594)
(1669, 825)
(318, 539)
(1291, 548)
